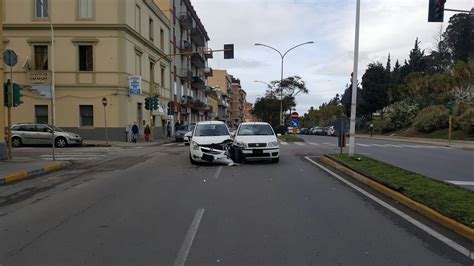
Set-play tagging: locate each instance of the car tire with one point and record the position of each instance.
(60, 142)
(16, 142)
(191, 159)
(275, 160)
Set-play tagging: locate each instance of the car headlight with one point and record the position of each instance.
(273, 144)
(195, 145)
(240, 144)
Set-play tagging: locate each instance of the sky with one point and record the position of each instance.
(386, 26)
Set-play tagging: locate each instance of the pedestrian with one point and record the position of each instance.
(168, 130)
(147, 133)
(135, 132)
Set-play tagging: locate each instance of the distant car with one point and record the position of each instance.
(318, 131)
(188, 134)
(205, 137)
(256, 140)
(304, 131)
(330, 131)
(180, 132)
(41, 134)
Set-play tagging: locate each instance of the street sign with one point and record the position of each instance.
(10, 58)
(341, 123)
(104, 101)
(135, 85)
(294, 115)
(294, 123)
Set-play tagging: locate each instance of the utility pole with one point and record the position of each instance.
(3, 146)
(354, 83)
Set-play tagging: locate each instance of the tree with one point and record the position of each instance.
(289, 88)
(374, 89)
(268, 108)
(439, 59)
(459, 36)
(416, 62)
(346, 98)
(335, 101)
(395, 82)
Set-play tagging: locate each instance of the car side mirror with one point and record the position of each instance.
(49, 130)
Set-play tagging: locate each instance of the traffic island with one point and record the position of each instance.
(290, 138)
(446, 204)
(21, 175)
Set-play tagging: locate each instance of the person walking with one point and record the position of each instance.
(168, 130)
(135, 132)
(147, 133)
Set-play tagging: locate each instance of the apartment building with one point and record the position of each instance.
(113, 49)
(249, 117)
(222, 82)
(238, 99)
(189, 40)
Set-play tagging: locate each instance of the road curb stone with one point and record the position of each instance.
(10, 178)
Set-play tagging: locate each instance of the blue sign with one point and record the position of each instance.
(135, 85)
(294, 123)
(10, 58)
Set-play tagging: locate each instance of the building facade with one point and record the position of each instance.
(222, 82)
(249, 117)
(189, 40)
(238, 99)
(100, 46)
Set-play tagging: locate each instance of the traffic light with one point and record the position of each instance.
(17, 95)
(450, 106)
(148, 103)
(6, 99)
(228, 51)
(156, 103)
(436, 10)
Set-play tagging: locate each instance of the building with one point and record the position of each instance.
(238, 100)
(248, 107)
(100, 46)
(222, 81)
(189, 68)
(213, 103)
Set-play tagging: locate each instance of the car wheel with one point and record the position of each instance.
(16, 142)
(191, 159)
(60, 142)
(275, 160)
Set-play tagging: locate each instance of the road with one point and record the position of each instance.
(442, 163)
(151, 206)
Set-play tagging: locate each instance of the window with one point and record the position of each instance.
(138, 18)
(41, 8)
(138, 64)
(163, 81)
(211, 130)
(151, 29)
(86, 113)
(41, 57)
(162, 39)
(42, 128)
(86, 58)
(85, 8)
(41, 114)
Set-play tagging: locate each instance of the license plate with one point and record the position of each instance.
(257, 151)
(207, 157)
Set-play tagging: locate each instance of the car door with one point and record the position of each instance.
(43, 135)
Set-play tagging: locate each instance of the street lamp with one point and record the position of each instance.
(281, 73)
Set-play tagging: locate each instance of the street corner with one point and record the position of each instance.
(22, 175)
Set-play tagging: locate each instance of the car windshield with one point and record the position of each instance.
(183, 128)
(250, 130)
(211, 130)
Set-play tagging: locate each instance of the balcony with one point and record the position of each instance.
(208, 72)
(199, 105)
(198, 83)
(197, 37)
(185, 47)
(186, 100)
(186, 74)
(197, 60)
(186, 21)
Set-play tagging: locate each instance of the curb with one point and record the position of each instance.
(427, 212)
(31, 173)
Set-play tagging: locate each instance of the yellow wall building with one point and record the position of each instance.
(99, 46)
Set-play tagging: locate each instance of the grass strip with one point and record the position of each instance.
(290, 138)
(450, 200)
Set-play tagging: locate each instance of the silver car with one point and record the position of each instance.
(40, 134)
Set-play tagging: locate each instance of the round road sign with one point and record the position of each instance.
(10, 58)
(104, 101)
(294, 115)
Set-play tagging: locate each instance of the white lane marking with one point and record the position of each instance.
(461, 183)
(379, 145)
(365, 145)
(425, 146)
(313, 143)
(75, 155)
(188, 240)
(284, 143)
(169, 144)
(219, 169)
(466, 252)
(330, 144)
(299, 143)
(412, 146)
(391, 145)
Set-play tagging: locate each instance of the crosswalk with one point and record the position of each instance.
(373, 145)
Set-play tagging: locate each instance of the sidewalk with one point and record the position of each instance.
(18, 169)
(101, 143)
(468, 145)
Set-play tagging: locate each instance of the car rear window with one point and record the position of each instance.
(252, 130)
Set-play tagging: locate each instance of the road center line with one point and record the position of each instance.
(169, 144)
(219, 169)
(466, 252)
(313, 143)
(188, 240)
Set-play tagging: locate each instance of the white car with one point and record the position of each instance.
(189, 134)
(208, 142)
(256, 140)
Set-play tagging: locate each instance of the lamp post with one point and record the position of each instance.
(282, 55)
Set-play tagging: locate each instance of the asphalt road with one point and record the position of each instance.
(442, 163)
(151, 206)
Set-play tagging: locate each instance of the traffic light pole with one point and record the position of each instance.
(10, 103)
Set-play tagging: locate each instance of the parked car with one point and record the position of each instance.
(330, 131)
(41, 134)
(208, 142)
(305, 131)
(189, 133)
(256, 140)
(317, 131)
(181, 131)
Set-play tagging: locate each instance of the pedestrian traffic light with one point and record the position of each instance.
(436, 10)
(17, 95)
(228, 51)
(148, 103)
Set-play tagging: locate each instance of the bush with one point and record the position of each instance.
(401, 114)
(431, 118)
(383, 125)
(464, 120)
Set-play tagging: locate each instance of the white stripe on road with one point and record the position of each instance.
(391, 145)
(425, 146)
(284, 143)
(365, 145)
(299, 143)
(330, 144)
(313, 143)
(169, 144)
(412, 146)
(67, 158)
(462, 183)
(466, 252)
(379, 145)
(219, 169)
(188, 240)
(75, 155)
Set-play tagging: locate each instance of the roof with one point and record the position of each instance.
(254, 123)
(210, 122)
